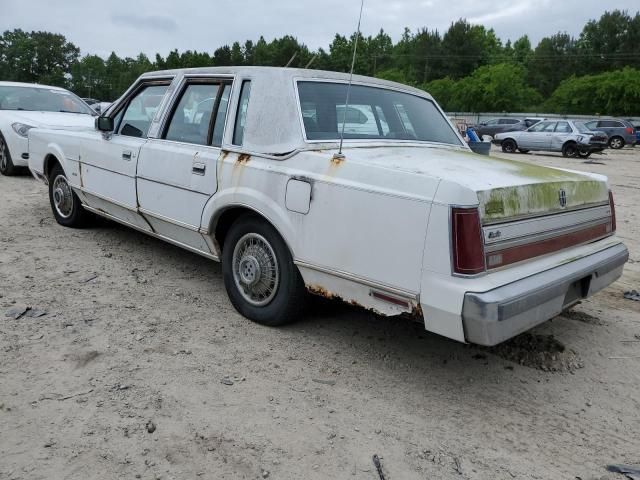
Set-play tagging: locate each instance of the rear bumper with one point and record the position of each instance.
(496, 315)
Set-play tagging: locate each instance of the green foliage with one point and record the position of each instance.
(500, 87)
(467, 67)
(612, 93)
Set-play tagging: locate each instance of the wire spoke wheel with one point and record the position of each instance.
(62, 196)
(255, 269)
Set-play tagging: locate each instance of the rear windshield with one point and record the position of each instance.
(373, 113)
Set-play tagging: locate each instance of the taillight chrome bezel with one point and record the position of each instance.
(453, 252)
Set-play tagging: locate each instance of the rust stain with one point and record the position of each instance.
(225, 154)
(243, 158)
(336, 161)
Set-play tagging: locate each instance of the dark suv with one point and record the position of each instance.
(497, 125)
(620, 132)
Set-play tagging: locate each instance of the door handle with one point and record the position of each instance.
(126, 155)
(199, 168)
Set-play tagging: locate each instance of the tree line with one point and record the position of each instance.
(466, 68)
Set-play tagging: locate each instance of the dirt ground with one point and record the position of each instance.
(139, 367)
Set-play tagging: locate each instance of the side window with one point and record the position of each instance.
(241, 114)
(539, 127)
(563, 127)
(493, 122)
(191, 118)
(136, 118)
(549, 127)
(592, 125)
(221, 116)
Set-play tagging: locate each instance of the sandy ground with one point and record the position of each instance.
(123, 375)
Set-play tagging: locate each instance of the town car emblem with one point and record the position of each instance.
(563, 198)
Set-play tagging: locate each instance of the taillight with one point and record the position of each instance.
(467, 242)
(613, 212)
(629, 130)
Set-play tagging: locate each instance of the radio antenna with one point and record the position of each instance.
(353, 63)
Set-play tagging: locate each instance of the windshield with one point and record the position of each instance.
(38, 99)
(373, 113)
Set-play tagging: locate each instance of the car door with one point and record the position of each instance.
(560, 135)
(109, 161)
(177, 171)
(538, 137)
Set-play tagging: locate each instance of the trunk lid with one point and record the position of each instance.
(506, 189)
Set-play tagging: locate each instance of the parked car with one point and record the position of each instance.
(567, 136)
(636, 125)
(498, 125)
(620, 132)
(407, 221)
(90, 101)
(24, 106)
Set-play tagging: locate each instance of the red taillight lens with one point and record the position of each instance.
(467, 243)
(613, 212)
(629, 130)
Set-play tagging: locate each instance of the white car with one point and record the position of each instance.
(24, 106)
(407, 220)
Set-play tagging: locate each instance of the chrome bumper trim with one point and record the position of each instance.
(494, 316)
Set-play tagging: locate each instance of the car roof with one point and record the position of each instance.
(31, 85)
(280, 72)
(274, 95)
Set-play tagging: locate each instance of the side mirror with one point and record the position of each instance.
(104, 124)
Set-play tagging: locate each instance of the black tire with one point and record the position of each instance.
(523, 150)
(570, 150)
(509, 146)
(68, 201)
(584, 154)
(616, 142)
(7, 167)
(287, 298)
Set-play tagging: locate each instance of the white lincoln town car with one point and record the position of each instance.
(241, 165)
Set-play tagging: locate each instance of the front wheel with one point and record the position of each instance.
(65, 204)
(585, 154)
(6, 165)
(261, 280)
(509, 146)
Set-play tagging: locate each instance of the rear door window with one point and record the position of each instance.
(563, 127)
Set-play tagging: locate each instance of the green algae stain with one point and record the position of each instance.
(539, 198)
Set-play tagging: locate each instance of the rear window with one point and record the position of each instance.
(373, 113)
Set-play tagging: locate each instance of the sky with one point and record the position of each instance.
(129, 27)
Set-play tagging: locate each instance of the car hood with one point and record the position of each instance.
(52, 119)
(503, 188)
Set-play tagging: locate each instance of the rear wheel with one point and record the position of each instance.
(509, 146)
(6, 165)
(65, 204)
(261, 280)
(569, 150)
(616, 142)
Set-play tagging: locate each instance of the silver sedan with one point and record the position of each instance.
(572, 138)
